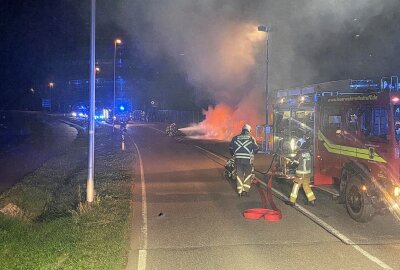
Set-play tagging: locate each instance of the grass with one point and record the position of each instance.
(57, 230)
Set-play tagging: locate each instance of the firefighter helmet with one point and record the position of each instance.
(247, 127)
(306, 145)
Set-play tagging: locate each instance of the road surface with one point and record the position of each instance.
(188, 216)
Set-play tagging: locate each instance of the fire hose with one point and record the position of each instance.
(269, 214)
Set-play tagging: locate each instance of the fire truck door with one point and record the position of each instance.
(330, 138)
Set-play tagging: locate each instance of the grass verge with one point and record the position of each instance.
(55, 229)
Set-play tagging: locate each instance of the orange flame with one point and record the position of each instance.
(222, 122)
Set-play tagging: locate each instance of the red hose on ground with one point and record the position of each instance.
(269, 214)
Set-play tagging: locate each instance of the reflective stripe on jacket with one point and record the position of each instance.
(304, 158)
(243, 146)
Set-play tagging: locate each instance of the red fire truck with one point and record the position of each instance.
(354, 126)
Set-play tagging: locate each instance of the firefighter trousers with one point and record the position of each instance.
(243, 176)
(302, 180)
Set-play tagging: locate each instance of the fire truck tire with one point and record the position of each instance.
(358, 204)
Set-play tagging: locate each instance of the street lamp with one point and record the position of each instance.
(51, 95)
(116, 42)
(266, 29)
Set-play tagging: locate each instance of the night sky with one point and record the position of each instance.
(311, 41)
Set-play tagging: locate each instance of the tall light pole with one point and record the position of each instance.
(266, 29)
(90, 180)
(116, 42)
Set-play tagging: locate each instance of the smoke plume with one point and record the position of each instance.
(215, 43)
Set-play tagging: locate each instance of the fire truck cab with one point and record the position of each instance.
(354, 127)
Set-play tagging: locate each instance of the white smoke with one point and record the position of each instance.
(208, 38)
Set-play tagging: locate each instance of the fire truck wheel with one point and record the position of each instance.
(358, 204)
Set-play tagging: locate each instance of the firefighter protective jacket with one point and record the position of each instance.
(243, 147)
(303, 157)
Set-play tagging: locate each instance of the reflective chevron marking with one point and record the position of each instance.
(343, 150)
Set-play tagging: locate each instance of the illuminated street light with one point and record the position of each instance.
(263, 28)
(97, 70)
(116, 42)
(50, 94)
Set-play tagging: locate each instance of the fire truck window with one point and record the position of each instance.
(303, 121)
(374, 123)
(281, 123)
(331, 118)
(352, 120)
(334, 121)
(396, 121)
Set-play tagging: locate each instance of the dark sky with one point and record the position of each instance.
(45, 41)
(310, 41)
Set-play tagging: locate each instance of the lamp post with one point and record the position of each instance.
(90, 179)
(266, 29)
(116, 42)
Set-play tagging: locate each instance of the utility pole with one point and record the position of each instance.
(263, 28)
(116, 42)
(90, 179)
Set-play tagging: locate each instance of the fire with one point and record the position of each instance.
(225, 63)
(222, 122)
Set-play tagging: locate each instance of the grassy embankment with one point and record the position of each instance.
(56, 230)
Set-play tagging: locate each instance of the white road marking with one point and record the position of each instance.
(143, 251)
(142, 259)
(322, 223)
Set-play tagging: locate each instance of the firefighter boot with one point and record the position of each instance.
(290, 203)
(312, 203)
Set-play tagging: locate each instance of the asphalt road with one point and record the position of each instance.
(188, 216)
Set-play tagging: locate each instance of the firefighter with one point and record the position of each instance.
(171, 130)
(303, 173)
(242, 148)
